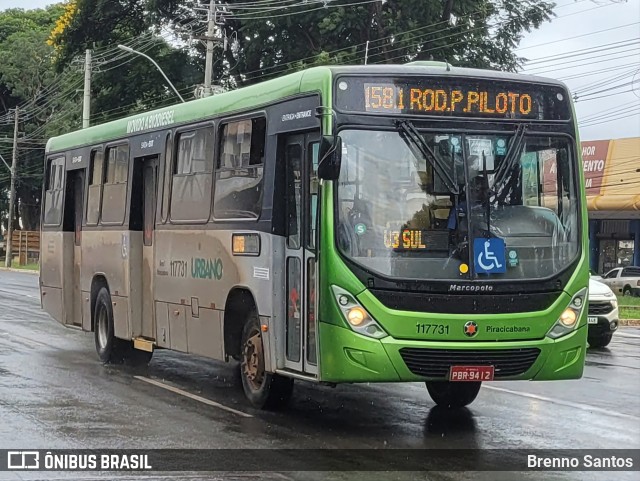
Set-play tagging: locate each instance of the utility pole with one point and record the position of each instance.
(86, 105)
(12, 191)
(208, 69)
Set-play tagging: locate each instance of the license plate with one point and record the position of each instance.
(471, 373)
(592, 320)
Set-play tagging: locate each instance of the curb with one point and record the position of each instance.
(629, 322)
(27, 271)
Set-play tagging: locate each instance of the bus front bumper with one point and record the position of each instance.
(346, 356)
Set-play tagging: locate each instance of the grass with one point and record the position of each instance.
(27, 267)
(629, 307)
(628, 301)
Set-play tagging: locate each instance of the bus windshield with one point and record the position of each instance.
(497, 206)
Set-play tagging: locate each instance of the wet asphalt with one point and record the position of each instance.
(54, 394)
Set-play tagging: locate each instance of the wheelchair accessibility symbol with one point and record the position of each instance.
(489, 256)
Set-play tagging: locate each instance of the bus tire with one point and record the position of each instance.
(453, 395)
(602, 340)
(106, 342)
(263, 389)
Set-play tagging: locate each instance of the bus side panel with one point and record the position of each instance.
(205, 333)
(195, 268)
(106, 253)
(51, 273)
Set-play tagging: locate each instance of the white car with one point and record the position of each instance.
(603, 314)
(623, 280)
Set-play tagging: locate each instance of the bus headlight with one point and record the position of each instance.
(569, 318)
(357, 316)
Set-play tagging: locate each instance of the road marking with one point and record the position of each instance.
(192, 396)
(24, 340)
(584, 407)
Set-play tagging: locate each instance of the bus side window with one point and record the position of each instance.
(55, 192)
(240, 170)
(96, 175)
(114, 198)
(191, 180)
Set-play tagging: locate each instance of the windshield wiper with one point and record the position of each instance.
(513, 155)
(417, 145)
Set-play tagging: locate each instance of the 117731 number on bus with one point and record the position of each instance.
(440, 329)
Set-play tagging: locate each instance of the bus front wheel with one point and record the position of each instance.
(263, 389)
(453, 395)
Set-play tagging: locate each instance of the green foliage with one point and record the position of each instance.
(268, 39)
(129, 83)
(473, 33)
(27, 78)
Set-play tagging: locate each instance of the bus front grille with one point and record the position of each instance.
(436, 363)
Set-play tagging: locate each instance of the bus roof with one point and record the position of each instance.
(309, 80)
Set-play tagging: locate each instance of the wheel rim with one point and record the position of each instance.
(102, 327)
(253, 360)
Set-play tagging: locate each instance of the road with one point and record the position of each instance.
(55, 394)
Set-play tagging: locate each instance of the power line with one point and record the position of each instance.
(614, 109)
(601, 82)
(608, 89)
(605, 96)
(569, 64)
(587, 62)
(632, 114)
(581, 35)
(584, 51)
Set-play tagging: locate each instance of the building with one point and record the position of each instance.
(612, 179)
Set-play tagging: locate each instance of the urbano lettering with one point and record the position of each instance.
(206, 268)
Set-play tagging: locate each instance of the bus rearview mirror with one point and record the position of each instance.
(330, 157)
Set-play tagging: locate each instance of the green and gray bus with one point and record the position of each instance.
(344, 224)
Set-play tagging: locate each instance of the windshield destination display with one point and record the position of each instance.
(452, 97)
(388, 97)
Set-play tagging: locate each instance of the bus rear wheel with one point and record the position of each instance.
(453, 395)
(263, 389)
(110, 349)
(106, 343)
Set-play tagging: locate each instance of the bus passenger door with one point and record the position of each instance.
(300, 157)
(149, 196)
(75, 203)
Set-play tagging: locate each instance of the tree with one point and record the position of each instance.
(473, 33)
(272, 37)
(125, 83)
(28, 80)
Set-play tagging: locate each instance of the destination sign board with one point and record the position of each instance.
(453, 97)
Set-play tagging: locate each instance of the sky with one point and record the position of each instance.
(592, 45)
